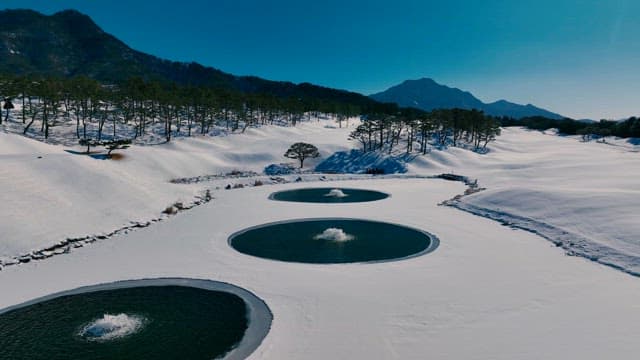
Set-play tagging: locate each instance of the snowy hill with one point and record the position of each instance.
(488, 291)
(557, 181)
(74, 195)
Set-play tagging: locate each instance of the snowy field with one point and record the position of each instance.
(488, 291)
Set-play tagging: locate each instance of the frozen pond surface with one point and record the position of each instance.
(487, 292)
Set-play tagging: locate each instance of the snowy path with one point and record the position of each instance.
(488, 291)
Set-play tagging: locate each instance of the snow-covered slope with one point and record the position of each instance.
(588, 191)
(50, 193)
(488, 291)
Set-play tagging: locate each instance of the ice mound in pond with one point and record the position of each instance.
(111, 327)
(334, 234)
(336, 193)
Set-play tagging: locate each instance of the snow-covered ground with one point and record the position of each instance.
(588, 193)
(49, 194)
(488, 291)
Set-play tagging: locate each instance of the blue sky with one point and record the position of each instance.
(580, 58)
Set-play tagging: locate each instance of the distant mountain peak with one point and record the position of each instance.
(421, 80)
(425, 81)
(69, 12)
(426, 94)
(74, 15)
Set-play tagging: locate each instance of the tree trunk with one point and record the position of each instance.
(26, 128)
(77, 125)
(23, 110)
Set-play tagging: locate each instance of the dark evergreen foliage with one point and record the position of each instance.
(139, 104)
(110, 145)
(444, 127)
(629, 128)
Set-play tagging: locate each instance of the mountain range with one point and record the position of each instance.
(426, 94)
(69, 43)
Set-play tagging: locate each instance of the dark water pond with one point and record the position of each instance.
(328, 195)
(154, 322)
(328, 241)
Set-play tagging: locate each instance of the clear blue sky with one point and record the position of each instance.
(580, 58)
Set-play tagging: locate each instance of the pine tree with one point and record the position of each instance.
(302, 151)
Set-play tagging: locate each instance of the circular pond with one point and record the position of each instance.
(328, 195)
(143, 319)
(332, 241)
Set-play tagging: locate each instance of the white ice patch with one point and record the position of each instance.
(336, 193)
(334, 234)
(111, 327)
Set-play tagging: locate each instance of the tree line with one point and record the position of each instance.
(629, 128)
(137, 107)
(417, 129)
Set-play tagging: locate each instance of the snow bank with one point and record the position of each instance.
(583, 196)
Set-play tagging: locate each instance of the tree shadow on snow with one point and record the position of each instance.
(357, 162)
(97, 155)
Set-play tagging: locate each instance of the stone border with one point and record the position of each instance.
(433, 245)
(67, 245)
(259, 314)
(273, 194)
